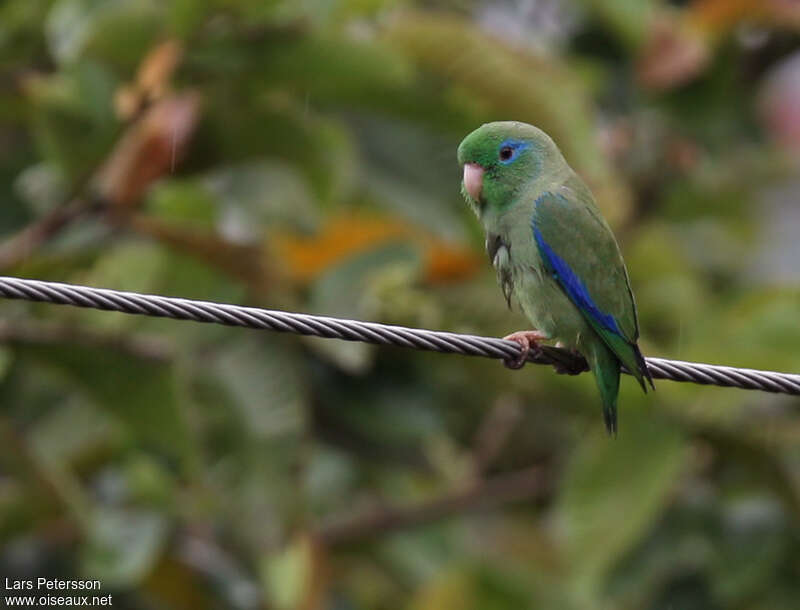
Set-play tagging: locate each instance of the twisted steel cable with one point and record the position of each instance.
(371, 332)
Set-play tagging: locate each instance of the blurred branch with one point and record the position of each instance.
(21, 332)
(61, 490)
(17, 248)
(249, 262)
(513, 487)
(494, 432)
(159, 126)
(329, 428)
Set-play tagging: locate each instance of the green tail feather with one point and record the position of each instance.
(629, 355)
(605, 366)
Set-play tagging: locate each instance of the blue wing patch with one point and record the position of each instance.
(572, 284)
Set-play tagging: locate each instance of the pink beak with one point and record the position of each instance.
(473, 180)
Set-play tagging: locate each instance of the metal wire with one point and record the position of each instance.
(370, 332)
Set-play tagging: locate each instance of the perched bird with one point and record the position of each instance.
(553, 253)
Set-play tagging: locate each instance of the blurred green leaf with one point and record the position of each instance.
(346, 290)
(473, 588)
(187, 463)
(627, 18)
(258, 195)
(554, 100)
(142, 394)
(122, 546)
(187, 201)
(119, 30)
(613, 490)
(288, 575)
(72, 117)
(264, 381)
(408, 183)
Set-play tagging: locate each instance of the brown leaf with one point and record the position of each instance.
(680, 44)
(152, 147)
(152, 79)
(673, 55)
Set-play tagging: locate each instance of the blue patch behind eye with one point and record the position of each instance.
(572, 284)
(517, 146)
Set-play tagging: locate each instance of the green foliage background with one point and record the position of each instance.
(301, 155)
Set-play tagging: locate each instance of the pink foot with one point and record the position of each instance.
(527, 339)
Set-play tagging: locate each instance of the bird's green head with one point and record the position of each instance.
(501, 158)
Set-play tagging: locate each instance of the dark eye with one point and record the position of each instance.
(506, 153)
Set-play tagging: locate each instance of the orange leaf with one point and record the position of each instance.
(719, 16)
(445, 262)
(304, 258)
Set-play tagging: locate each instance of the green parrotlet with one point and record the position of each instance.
(554, 253)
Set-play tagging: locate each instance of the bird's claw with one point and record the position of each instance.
(563, 368)
(528, 340)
